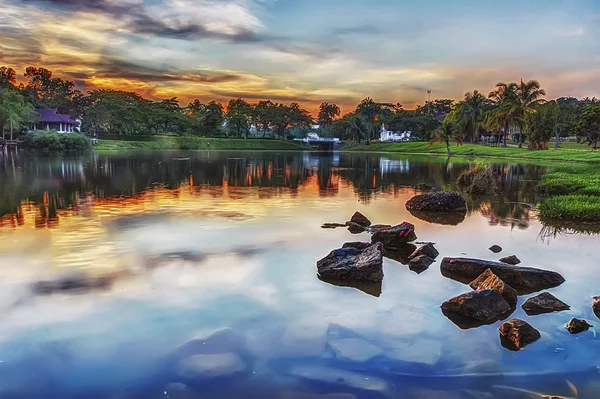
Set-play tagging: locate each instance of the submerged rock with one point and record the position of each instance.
(211, 365)
(575, 326)
(489, 281)
(368, 287)
(332, 225)
(356, 244)
(510, 260)
(339, 377)
(395, 236)
(354, 349)
(481, 305)
(353, 263)
(523, 279)
(73, 282)
(360, 219)
(399, 253)
(544, 303)
(420, 263)
(443, 218)
(441, 201)
(496, 249)
(515, 334)
(427, 249)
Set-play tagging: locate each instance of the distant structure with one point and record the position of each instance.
(50, 119)
(389, 135)
(428, 96)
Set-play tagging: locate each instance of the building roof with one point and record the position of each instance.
(49, 115)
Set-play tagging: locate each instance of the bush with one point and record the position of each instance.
(52, 141)
(478, 180)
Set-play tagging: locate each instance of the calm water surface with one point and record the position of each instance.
(193, 275)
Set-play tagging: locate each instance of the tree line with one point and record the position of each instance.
(519, 108)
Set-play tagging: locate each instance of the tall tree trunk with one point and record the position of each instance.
(11, 132)
(505, 132)
(521, 135)
(448, 148)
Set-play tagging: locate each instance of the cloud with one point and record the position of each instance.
(358, 30)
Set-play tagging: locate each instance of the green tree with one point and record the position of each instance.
(588, 125)
(369, 112)
(446, 133)
(526, 101)
(47, 91)
(116, 112)
(263, 115)
(207, 119)
(567, 117)
(15, 110)
(470, 114)
(501, 115)
(541, 125)
(8, 77)
(237, 116)
(327, 113)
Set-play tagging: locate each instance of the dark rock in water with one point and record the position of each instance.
(442, 201)
(375, 227)
(523, 279)
(496, 249)
(515, 334)
(420, 263)
(395, 236)
(368, 287)
(466, 323)
(575, 326)
(355, 228)
(360, 219)
(443, 218)
(489, 281)
(427, 249)
(332, 225)
(544, 303)
(479, 305)
(353, 263)
(400, 253)
(596, 304)
(356, 244)
(73, 282)
(510, 260)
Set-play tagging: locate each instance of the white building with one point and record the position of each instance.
(388, 135)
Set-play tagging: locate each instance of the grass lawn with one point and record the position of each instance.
(568, 153)
(192, 143)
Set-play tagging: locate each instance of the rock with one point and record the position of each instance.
(515, 334)
(395, 236)
(339, 377)
(354, 349)
(420, 263)
(481, 305)
(355, 228)
(510, 260)
(421, 351)
(353, 263)
(399, 253)
(211, 365)
(442, 201)
(73, 282)
(356, 244)
(443, 218)
(575, 326)
(360, 219)
(496, 249)
(544, 303)
(596, 304)
(523, 279)
(375, 227)
(489, 281)
(427, 249)
(332, 225)
(368, 287)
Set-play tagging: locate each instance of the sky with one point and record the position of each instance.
(308, 51)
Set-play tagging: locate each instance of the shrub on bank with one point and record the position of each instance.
(43, 141)
(479, 179)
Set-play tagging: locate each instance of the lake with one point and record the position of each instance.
(193, 275)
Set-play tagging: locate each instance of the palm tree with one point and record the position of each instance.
(471, 113)
(445, 134)
(501, 114)
(526, 101)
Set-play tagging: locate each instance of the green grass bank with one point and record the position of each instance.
(192, 143)
(571, 154)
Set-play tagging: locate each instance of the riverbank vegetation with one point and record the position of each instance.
(116, 143)
(43, 141)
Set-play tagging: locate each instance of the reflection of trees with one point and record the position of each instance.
(553, 228)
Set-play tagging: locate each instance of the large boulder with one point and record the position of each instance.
(489, 281)
(481, 305)
(442, 201)
(523, 279)
(544, 303)
(575, 326)
(395, 236)
(353, 263)
(427, 249)
(360, 219)
(515, 334)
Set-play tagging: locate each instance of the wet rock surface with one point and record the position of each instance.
(489, 281)
(353, 263)
(515, 334)
(544, 303)
(496, 249)
(355, 228)
(360, 219)
(523, 279)
(356, 244)
(576, 326)
(420, 263)
(481, 305)
(427, 249)
(400, 253)
(442, 201)
(395, 236)
(332, 225)
(510, 260)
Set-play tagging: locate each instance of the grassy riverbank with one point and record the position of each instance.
(477, 150)
(192, 143)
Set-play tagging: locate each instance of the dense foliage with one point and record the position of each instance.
(52, 141)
